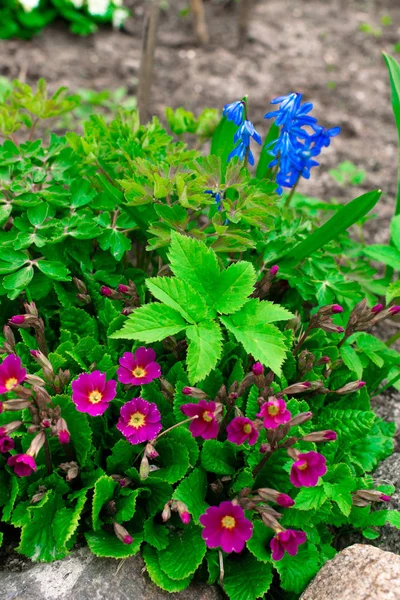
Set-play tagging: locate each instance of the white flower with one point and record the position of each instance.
(98, 7)
(119, 16)
(29, 5)
(77, 3)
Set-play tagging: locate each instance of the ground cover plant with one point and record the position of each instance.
(187, 359)
(26, 18)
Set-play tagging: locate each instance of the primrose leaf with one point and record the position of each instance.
(103, 492)
(192, 492)
(218, 457)
(259, 542)
(107, 545)
(174, 458)
(180, 296)
(184, 553)
(248, 579)
(158, 576)
(18, 280)
(296, 571)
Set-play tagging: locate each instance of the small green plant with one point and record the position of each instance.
(346, 173)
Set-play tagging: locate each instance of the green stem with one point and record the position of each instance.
(292, 191)
(393, 339)
(47, 456)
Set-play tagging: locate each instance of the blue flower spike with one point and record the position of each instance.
(295, 149)
(235, 112)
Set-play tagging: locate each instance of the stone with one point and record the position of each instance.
(357, 573)
(82, 576)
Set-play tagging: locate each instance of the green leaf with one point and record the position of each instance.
(205, 347)
(251, 328)
(107, 545)
(259, 543)
(263, 171)
(395, 231)
(384, 254)
(252, 405)
(115, 241)
(18, 280)
(296, 571)
(160, 492)
(351, 360)
(66, 520)
(338, 483)
(393, 517)
(151, 323)
(54, 269)
(192, 262)
(154, 534)
(310, 498)
(158, 576)
(246, 578)
(78, 425)
(234, 287)
(394, 74)
(180, 296)
(218, 457)
(103, 492)
(121, 458)
(339, 223)
(192, 492)
(5, 212)
(393, 291)
(184, 553)
(222, 142)
(174, 459)
(126, 506)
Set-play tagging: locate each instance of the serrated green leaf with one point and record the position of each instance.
(252, 405)
(192, 492)
(310, 498)
(159, 493)
(19, 280)
(393, 518)
(247, 578)
(351, 360)
(218, 457)
(151, 323)
(193, 262)
(205, 347)
(66, 520)
(251, 328)
(184, 553)
(393, 291)
(174, 459)
(155, 534)
(78, 426)
(259, 543)
(103, 492)
(121, 458)
(180, 296)
(296, 571)
(234, 287)
(54, 269)
(158, 576)
(107, 545)
(126, 506)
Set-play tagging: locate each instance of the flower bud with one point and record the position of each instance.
(106, 291)
(336, 308)
(300, 419)
(63, 434)
(264, 448)
(394, 310)
(320, 436)
(183, 512)
(274, 270)
(373, 496)
(123, 289)
(167, 388)
(166, 513)
(144, 468)
(80, 286)
(17, 320)
(9, 427)
(122, 534)
(377, 309)
(150, 451)
(43, 362)
(349, 388)
(271, 495)
(36, 444)
(297, 388)
(71, 469)
(194, 393)
(324, 360)
(257, 369)
(6, 444)
(9, 336)
(17, 404)
(270, 521)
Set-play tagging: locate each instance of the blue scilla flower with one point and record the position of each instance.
(295, 149)
(217, 198)
(243, 135)
(235, 112)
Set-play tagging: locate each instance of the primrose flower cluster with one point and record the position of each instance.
(301, 138)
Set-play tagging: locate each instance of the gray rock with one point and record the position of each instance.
(357, 573)
(82, 576)
(387, 407)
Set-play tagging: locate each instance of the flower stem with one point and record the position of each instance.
(176, 425)
(292, 191)
(262, 463)
(47, 456)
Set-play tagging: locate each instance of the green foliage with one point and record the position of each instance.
(125, 203)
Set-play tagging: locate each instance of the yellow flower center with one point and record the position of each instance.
(208, 416)
(273, 410)
(247, 428)
(228, 522)
(139, 372)
(11, 383)
(303, 467)
(95, 397)
(137, 420)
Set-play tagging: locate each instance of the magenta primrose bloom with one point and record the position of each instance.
(307, 469)
(274, 413)
(23, 464)
(138, 368)
(139, 421)
(11, 373)
(92, 393)
(241, 429)
(6, 444)
(288, 540)
(206, 425)
(226, 526)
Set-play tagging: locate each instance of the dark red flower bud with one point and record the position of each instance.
(324, 360)
(340, 329)
(17, 319)
(257, 369)
(6, 444)
(385, 498)
(274, 270)
(377, 308)
(394, 310)
(124, 289)
(64, 437)
(336, 308)
(105, 291)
